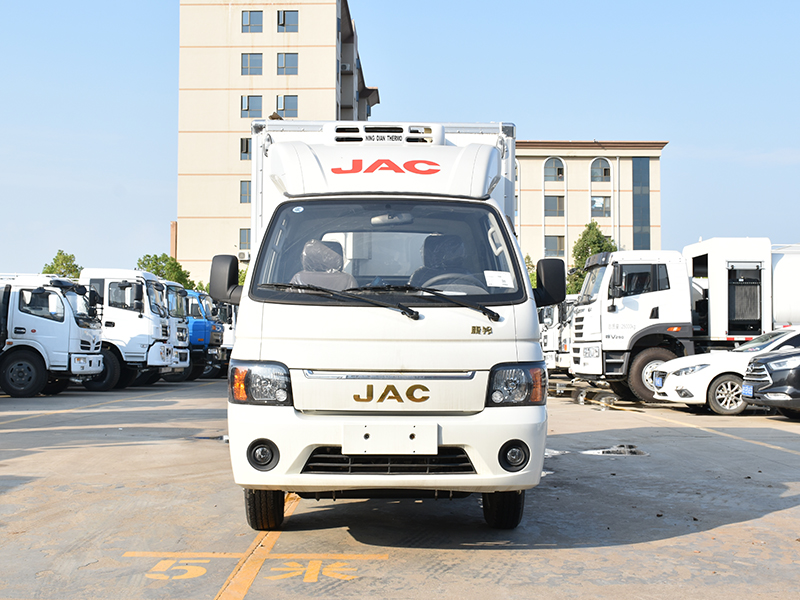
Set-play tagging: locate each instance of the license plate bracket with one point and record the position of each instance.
(383, 438)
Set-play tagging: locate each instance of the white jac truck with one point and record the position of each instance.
(49, 335)
(387, 341)
(638, 309)
(135, 325)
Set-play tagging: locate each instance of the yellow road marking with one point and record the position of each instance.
(698, 427)
(77, 408)
(183, 555)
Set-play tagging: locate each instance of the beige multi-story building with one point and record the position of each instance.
(242, 61)
(563, 186)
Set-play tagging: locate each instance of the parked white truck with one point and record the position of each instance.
(49, 335)
(135, 325)
(387, 341)
(638, 309)
(555, 322)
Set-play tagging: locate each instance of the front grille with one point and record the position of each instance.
(757, 372)
(165, 331)
(86, 345)
(330, 460)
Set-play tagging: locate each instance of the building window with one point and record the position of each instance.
(244, 239)
(554, 206)
(287, 106)
(601, 206)
(252, 21)
(251, 64)
(244, 192)
(287, 63)
(641, 203)
(244, 148)
(554, 245)
(287, 21)
(554, 170)
(601, 170)
(251, 106)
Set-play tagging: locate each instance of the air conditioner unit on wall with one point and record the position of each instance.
(346, 68)
(244, 255)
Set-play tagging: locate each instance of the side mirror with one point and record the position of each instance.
(138, 292)
(138, 306)
(94, 297)
(223, 283)
(617, 279)
(551, 282)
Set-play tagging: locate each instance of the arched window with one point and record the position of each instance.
(601, 170)
(553, 170)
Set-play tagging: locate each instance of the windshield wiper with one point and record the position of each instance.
(493, 316)
(409, 312)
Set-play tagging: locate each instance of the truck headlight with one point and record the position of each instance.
(262, 383)
(522, 384)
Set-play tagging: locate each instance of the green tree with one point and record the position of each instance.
(591, 241)
(531, 270)
(167, 267)
(63, 264)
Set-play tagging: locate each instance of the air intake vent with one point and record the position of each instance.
(330, 460)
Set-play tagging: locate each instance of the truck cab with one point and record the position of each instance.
(49, 334)
(135, 325)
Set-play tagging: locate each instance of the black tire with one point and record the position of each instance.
(55, 386)
(790, 413)
(264, 509)
(211, 372)
(177, 376)
(110, 375)
(23, 374)
(146, 378)
(503, 510)
(127, 376)
(640, 373)
(195, 371)
(724, 395)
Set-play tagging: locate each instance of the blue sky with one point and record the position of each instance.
(88, 151)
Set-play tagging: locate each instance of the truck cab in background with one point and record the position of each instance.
(556, 328)
(638, 309)
(135, 325)
(205, 333)
(49, 334)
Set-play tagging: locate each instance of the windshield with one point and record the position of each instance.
(157, 301)
(177, 304)
(388, 247)
(591, 285)
(761, 342)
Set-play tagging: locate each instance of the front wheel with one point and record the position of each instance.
(725, 395)
(503, 510)
(23, 374)
(264, 509)
(55, 386)
(110, 375)
(640, 375)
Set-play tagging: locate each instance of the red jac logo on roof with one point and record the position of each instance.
(419, 167)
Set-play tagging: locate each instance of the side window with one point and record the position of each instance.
(663, 278)
(792, 342)
(636, 279)
(120, 296)
(47, 305)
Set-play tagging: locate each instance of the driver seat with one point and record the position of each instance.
(441, 254)
(322, 266)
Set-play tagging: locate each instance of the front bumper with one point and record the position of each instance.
(86, 364)
(296, 435)
(686, 389)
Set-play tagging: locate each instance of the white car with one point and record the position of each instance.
(715, 378)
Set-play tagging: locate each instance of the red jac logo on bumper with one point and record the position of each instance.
(418, 167)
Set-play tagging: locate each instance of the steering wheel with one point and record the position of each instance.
(456, 279)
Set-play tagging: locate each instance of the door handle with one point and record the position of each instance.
(109, 323)
(19, 330)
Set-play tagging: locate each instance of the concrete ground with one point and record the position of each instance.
(129, 495)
